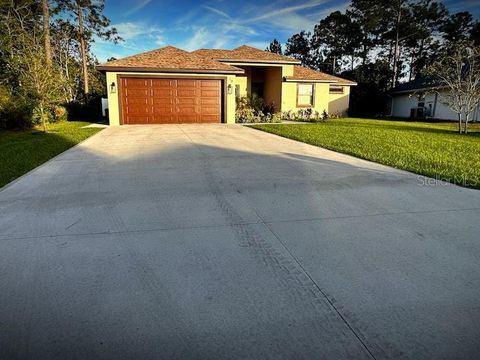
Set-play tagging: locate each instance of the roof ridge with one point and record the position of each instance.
(327, 77)
(144, 52)
(168, 57)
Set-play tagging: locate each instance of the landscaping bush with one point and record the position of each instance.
(37, 116)
(254, 110)
(91, 111)
(305, 115)
(60, 113)
(15, 112)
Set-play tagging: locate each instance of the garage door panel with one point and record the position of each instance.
(209, 101)
(187, 83)
(187, 101)
(138, 119)
(163, 101)
(209, 110)
(137, 101)
(162, 83)
(187, 93)
(168, 110)
(209, 93)
(138, 109)
(136, 83)
(164, 119)
(166, 92)
(187, 118)
(136, 92)
(209, 84)
(208, 118)
(185, 109)
(159, 101)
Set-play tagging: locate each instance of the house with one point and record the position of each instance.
(422, 99)
(170, 85)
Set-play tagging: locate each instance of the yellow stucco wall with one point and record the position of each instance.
(241, 80)
(321, 97)
(273, 87)
(113, 103)
(338, 103)
(323, 100)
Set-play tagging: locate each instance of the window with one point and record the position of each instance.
(237, 91)
(336, 89)
(304, 95)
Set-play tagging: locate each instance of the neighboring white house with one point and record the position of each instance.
(417, 100)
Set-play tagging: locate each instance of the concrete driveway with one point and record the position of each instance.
(216, 241)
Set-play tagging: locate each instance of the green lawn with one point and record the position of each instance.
(435, 150)
(22, 151)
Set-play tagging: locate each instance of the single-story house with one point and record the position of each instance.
(170, 85)
(422, 99)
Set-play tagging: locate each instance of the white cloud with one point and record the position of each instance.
(201, 38)
(131, 30)
(218, 12)
(326, 11)
(292, 22)
(140, 5)
(287, 10)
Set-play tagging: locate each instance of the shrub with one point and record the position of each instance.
(60, 113)
(92, 111)
(37, 116)
(254, 110)
(15, 112)
(306, 115)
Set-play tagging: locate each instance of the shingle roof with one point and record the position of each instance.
(303, 73)
(245, 53)
(417, 84)
(169, 58)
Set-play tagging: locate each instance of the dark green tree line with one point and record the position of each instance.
(376, 39)
(45, 49)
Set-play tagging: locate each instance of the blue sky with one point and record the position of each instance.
(193, 24)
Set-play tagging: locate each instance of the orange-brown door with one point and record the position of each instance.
(170, 101)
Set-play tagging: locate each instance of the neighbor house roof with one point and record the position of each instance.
(422, 83)
(301, 73)
(169, 59)
(246, 53)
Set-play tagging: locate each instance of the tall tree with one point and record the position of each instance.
(275, 47)
(338, 36)
(458, 27)
(422, 32)
(457, 75)
(475, 34)
(372, 17)
(90, 21)
(46, 32)
(298, 46)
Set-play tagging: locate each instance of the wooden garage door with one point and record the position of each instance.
(169, 101)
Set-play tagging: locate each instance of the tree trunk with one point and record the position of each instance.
(465, 124)
(396, 46)
(83, 53)
(46, 32)
(333, 64)
(42, 114)
(411, 68)
(459, 123)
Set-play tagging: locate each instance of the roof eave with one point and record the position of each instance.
(429, 88)
(169, 70)
(336, 82)
(256, 61)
